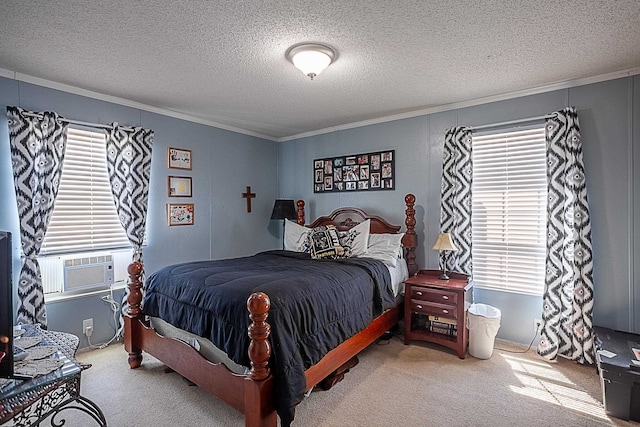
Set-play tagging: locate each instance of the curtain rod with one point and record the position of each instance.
(513, 122)
(78, 122)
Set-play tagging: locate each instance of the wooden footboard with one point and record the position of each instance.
(251, 394)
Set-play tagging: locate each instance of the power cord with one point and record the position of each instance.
(523, 351)
(385, 339)
(115, 308)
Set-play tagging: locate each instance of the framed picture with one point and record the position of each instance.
(179, 158)
(179, 186)
(180, 214)
(359, 172)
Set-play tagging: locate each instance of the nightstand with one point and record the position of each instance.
(435, 310)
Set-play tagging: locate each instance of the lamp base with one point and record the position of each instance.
(443, 276)
(283, 225)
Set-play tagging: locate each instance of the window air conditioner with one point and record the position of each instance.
(81, 274)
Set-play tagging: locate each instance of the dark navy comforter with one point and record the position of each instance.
(315, 305)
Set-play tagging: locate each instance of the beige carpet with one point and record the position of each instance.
(394, 385)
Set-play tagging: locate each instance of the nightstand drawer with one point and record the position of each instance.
(434, 309)
(434, 295)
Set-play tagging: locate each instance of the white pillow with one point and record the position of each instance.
(356, 239)
(385, 247)
(296, 237)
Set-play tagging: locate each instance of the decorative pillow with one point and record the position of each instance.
(355, 240)
(325, 243)
(385, 247)
(296, 237)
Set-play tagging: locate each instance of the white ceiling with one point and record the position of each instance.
(223, 61)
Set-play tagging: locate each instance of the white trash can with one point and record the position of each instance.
(483, 322)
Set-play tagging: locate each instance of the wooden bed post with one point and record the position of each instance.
(409, 239)
(258, 305)
(300, 212)
(134, 312)
(258, 390)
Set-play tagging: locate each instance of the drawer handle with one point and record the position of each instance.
(445, 297)
(445, 311)
(419, 306)
(419, 293)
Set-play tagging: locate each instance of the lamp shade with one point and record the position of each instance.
(283, 209)
(444, 243)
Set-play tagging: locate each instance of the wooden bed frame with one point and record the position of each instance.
(251, 394)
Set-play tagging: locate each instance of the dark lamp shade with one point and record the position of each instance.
(283, 209)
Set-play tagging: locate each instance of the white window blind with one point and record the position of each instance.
(510, 210)
(84, 217)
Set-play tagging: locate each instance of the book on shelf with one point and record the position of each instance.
(450, 329)
(443, 320)
(452, 332)
(443, 324)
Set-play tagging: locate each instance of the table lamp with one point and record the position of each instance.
(444, 244)
(283, 209)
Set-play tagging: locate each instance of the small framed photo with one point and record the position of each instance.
(179, 186)
(180, 214)
(328, 183)
(179, 158)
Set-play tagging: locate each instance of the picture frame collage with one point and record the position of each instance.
(374, 171)
(179, 186)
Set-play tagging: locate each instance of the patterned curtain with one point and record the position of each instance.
(567, 328)
(129, 165)
(455, 213)
(37, 153)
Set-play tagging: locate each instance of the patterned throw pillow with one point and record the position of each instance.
(325, 243)
(355, 240)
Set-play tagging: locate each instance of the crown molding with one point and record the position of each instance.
(470, 103)
(26, 78)
(406, 115)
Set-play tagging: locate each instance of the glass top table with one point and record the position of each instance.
(28, 401)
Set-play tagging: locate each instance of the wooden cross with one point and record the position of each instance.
(248, 195)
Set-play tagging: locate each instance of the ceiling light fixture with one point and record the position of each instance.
(310, 58)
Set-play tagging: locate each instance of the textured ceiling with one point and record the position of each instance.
(223, 61)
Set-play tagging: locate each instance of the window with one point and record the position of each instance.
(510, 210)
(84, 219)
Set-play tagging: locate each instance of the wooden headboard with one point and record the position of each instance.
(345, 218)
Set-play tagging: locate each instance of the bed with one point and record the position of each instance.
(265, 390)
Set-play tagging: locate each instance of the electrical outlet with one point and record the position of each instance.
(537, 324)
(87, 327)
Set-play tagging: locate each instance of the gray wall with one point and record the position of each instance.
(224, 163)
(608, 114)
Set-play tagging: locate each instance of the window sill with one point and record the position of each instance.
(62, 296)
